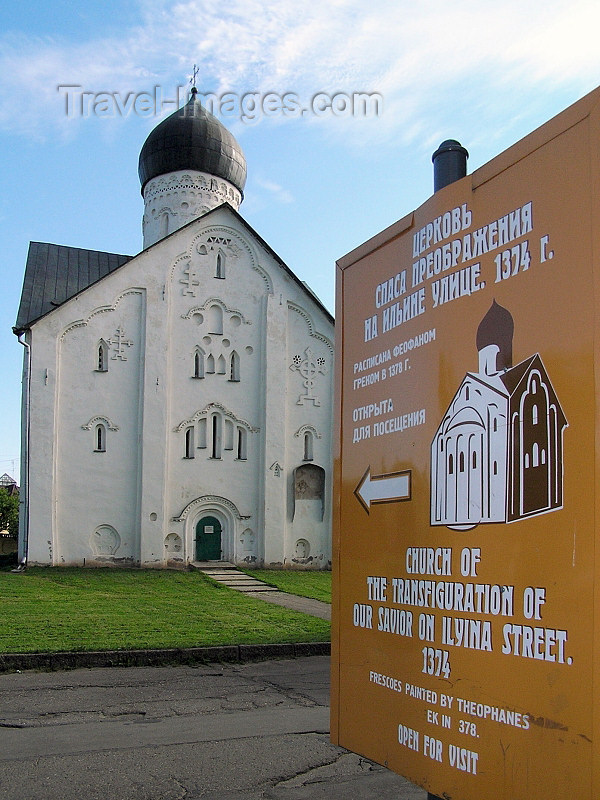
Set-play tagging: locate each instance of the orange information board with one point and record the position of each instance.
(465, 591)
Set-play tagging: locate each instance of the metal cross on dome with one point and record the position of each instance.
(195, 72)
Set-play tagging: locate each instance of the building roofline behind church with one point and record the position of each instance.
(57, 273)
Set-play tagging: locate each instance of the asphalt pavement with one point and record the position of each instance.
(255, 731)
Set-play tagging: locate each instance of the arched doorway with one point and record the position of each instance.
(208, 539)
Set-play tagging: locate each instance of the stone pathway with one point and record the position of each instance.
(230, 576)
(225, 573)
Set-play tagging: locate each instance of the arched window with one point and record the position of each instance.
(308, 446)
(221, 366)
(217, 426)
(450, 464)
(102, 362)
(210, 364)
(461, 461)
(220, 272)
(202, 433)
(189, 442)
(534, 415)
(215, 320)
(535, 455)
(234, 367)
(100, 439)
(474, 460)
(241, 444)
(228, 445)
(199, 363)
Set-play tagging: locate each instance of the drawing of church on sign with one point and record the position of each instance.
(497, 454)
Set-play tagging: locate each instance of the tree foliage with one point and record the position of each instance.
(9, 512)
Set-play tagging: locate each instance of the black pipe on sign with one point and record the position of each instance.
(449, 163)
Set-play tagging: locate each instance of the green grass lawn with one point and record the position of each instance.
(305, 583)
(62, 608)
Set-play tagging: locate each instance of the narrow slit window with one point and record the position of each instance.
(242, 436)
(308, 446)
(216, 436)
(102, 361)
(220, 273)
(234, 367)
(198, 364)
(100, 437)
(228, 435)
(202, 433)
(189, 442)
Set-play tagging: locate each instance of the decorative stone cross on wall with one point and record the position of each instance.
(119, 342)
(190, 282)
(309, 367)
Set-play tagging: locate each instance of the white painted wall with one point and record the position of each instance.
(143, 494)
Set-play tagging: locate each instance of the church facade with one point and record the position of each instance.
(177, 404)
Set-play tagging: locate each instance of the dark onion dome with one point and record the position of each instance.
(192, 139)
(497, 327)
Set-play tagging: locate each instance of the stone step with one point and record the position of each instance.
(231, 574)
(240, 584)
(228, 575)
(252, 589)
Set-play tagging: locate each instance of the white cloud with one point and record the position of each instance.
(465, 57)
(275, 190)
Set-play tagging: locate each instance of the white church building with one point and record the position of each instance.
(177, 404)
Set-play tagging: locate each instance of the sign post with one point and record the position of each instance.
(464, 651)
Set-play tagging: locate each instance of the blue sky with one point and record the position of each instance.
(485, 73)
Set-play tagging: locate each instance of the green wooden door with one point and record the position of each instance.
(208, 539)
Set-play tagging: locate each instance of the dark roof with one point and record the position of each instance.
(55, 273)
(193, 139)
(497, 327)
(512, 377)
